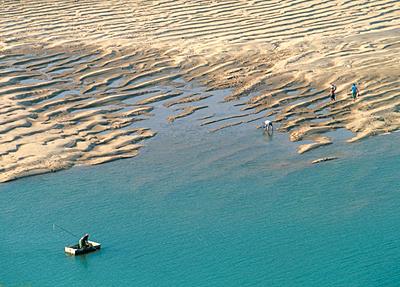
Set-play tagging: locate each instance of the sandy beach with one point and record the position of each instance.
(79, 79)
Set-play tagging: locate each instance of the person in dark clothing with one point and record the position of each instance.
(333, 92)
(84, 241)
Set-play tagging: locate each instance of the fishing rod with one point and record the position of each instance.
(67, 231)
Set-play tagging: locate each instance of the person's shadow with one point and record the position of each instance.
(83, 261)
(268, 134)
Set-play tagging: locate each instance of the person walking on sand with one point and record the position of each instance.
(354, 91)
(333, 92)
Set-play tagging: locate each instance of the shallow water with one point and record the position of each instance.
(233, 208)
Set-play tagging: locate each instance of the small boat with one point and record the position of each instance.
(75, 250)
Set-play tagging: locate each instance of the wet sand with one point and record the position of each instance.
(78, 80)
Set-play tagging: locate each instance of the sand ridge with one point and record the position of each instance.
(79, 79)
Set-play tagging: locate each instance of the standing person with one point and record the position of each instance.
(354, 91)
(333, 92)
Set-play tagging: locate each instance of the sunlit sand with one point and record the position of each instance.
(75, 75)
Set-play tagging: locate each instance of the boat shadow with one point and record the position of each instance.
(84, 260)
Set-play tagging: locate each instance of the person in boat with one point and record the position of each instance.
(267, 126)
(333, 92)
(354, 91)
(84, 241)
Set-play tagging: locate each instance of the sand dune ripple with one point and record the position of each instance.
(78, 79)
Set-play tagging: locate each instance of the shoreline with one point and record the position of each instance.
(66, 102)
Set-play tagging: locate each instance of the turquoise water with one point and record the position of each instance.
(233, 208)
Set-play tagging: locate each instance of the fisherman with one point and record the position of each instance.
(83, 242)
(333, 92)
(267, 126)
(354, 91)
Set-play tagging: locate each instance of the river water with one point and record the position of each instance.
(233, 208)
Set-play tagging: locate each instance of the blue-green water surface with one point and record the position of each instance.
(233, 208)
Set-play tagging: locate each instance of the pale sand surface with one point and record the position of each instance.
(76, 76)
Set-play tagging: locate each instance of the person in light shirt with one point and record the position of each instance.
(354, 91)
(267, 126)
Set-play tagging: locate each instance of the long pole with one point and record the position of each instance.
(69, 232)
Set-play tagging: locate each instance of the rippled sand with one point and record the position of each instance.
(78, 79)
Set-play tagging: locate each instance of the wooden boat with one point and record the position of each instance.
(75, 250)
